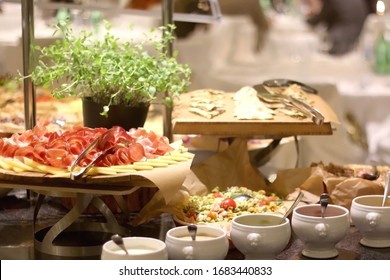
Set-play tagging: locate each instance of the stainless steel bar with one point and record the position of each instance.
(167, 17)
(185, 17)
(215, 10)
(28, 58)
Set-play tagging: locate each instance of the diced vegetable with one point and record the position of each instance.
(219, 206)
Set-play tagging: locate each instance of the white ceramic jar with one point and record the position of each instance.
(372, 220)
(320, 234)
(260, 235)
(211, 243)
(138, 248)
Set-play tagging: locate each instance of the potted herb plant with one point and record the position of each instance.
(111, 76)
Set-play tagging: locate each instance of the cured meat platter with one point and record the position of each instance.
(104, 159)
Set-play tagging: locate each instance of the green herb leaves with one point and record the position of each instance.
(110, 71)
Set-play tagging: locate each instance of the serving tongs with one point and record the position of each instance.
(74, 175)
(277, 86)
(284, 83)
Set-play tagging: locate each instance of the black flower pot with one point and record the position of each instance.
(126, 117)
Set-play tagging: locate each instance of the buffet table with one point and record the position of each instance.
(17, 219)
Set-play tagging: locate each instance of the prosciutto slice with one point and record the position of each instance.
(61, 148)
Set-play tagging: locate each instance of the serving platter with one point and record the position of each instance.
(119, 184)
(225, 124)
(43, 158)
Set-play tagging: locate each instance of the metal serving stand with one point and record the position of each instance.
(45, 238)
(49, 239)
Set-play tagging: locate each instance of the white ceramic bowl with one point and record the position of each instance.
(260, 235)
(211, 243)
(138, 248)
(372, 220)
(320, 235)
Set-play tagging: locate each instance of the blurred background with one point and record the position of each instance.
(342, 44)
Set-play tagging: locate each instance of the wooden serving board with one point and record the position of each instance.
(226, 125)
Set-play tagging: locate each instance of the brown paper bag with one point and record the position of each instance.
(231, 167)
(342, 190)
(346, 191)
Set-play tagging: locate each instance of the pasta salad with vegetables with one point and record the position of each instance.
(223, 206)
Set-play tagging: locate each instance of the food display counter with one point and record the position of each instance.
(89, 191)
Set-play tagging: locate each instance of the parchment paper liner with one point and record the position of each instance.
(232, 167)
(342, 190)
